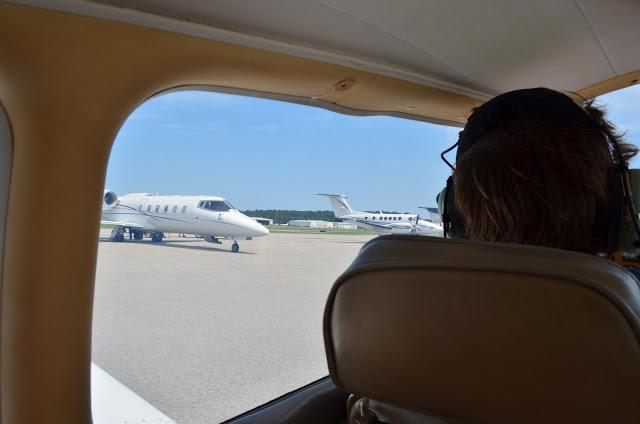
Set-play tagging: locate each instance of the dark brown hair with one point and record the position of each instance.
(539, 183)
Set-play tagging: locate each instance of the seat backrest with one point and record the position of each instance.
(487, 332)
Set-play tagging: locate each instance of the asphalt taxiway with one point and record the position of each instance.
(203, 334)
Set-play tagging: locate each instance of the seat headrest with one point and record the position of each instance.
(487, 332)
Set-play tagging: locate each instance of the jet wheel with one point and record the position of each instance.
(235, 247)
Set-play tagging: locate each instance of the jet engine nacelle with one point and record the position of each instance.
(109, 200)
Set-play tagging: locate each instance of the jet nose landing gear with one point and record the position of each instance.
(235, 247)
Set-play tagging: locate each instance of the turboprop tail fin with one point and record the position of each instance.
(339, 204)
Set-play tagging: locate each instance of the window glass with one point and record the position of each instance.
(622, 110)
(215, 205)
(202, 333)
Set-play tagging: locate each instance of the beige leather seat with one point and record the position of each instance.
(423, 329)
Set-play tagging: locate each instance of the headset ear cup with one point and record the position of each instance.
(446, 221)
(456, 225)
(608, 221)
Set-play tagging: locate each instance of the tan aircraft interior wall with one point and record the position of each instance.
(610, 85)
(68, 83)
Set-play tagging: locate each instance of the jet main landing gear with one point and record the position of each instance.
(157, 237)
(117, 234)
(235, 247)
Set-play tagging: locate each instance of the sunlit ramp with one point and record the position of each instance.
(113, 403)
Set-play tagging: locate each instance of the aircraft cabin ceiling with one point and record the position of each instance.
(476, 48)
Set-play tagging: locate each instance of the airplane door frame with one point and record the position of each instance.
(6, 156)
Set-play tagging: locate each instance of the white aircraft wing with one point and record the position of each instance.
(121, 224)
(430, 225)
(399, 225)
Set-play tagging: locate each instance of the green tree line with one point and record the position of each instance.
(281, 216)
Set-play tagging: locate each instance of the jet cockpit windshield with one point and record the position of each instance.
(215, 205)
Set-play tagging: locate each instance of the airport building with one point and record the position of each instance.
(264, 221)
(345, 225)
(310, 223)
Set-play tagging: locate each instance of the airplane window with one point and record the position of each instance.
(216, 205)
(202, 332)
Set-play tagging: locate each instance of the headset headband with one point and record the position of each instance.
(534, 104)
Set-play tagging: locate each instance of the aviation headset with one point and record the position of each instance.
(547, 105)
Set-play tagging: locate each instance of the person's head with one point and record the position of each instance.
(534, 167)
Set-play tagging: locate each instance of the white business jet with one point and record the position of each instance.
(210, 217)
(383, 223)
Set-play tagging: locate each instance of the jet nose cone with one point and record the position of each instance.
(255, 229)
(261, 230)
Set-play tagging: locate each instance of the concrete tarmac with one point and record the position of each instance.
(204, 334)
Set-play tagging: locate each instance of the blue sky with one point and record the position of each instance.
(264, 154)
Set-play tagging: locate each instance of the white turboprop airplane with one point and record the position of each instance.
(211, 217)
(383, 223)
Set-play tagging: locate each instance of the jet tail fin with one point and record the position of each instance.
(339, 204)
